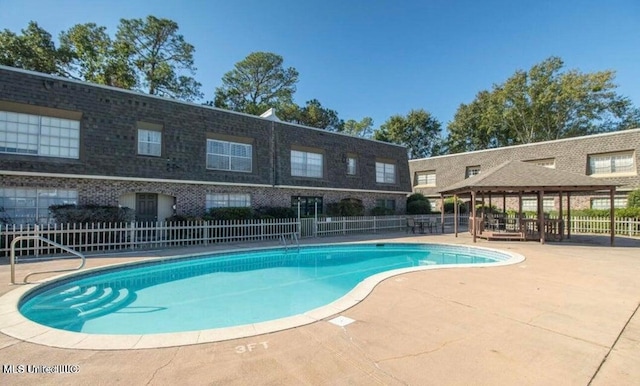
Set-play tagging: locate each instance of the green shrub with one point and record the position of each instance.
(346, 207)
(276, 212)
(182, 218)
(417, 203)
(418, 207)
(633, 199)
(416, 197)
(633, 212)
(4, 217)
(381, 211)
(449, 206)
(240, 213)
(82, 214)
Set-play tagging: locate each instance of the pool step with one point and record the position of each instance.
(105, 296)
(87, 294)
(70, 312)
(120, 298)
(69, 297)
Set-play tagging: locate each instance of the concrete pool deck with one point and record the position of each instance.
(567, 315)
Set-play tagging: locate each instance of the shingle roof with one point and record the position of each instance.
(514, 176)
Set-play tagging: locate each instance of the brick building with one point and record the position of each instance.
(64, 141)
(612, 157)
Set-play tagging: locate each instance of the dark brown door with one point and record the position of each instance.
(146, 207)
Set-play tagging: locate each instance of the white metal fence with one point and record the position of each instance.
(596, 225)
(104, 237)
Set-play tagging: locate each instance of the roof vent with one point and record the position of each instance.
(270, 115)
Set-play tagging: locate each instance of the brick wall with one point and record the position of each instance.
(570, 155)
(109, 120)
(108, 142)
(190, 198)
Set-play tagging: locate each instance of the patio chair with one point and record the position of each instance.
(411, 225)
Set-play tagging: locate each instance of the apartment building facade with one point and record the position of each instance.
(65, 141)
(612, 157)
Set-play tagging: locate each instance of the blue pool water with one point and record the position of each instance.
(222, 290)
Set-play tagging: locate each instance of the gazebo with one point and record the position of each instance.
(517, 178)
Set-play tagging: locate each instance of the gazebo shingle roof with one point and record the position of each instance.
(514, 176)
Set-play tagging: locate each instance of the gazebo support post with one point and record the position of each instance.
(473, 214)
(568, 215)
(455, 215)
(561, 220)
(541, 216)
(504, 204)
(520, 214)
(442, 212)
(612, 220)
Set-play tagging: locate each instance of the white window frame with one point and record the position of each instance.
(607, 164)
(230, 156)
(352, 166)
(228, 200)
(605, 202)
(472, 171)
(427, 178)
(18, 203)
(39, 135)
(531, 204)
(385, 173)
(307, 164)
(149, 142)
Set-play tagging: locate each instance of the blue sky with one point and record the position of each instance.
(379, 58)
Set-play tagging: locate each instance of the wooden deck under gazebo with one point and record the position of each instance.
(518, 179)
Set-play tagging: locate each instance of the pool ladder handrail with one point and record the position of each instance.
(293, 236)
(12, 257)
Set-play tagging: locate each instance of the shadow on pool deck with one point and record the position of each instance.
(567, 315)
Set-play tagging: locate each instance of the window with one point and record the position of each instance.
(31, 206)
(351, 166)
(149, 142)
(531, 204)
(547, 162)
(472, 171)
(385, 173)
(426, 178)
(308, 205)
(388, 204)
(612, 163)
(228, 200)
(605, 203)
(306, 164)
(224, 155)
(39, 135)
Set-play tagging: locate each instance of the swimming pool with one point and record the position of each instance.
(225, 290)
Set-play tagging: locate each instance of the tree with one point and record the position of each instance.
(417, 203)
(94, 57)
(313, 114)
(483, 115)
(633, 199)
(158, 54)
(541, 104)
(418, 131)
(257, 83)
(33, 50)
(363, 129)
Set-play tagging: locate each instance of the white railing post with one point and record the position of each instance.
(132, 236)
